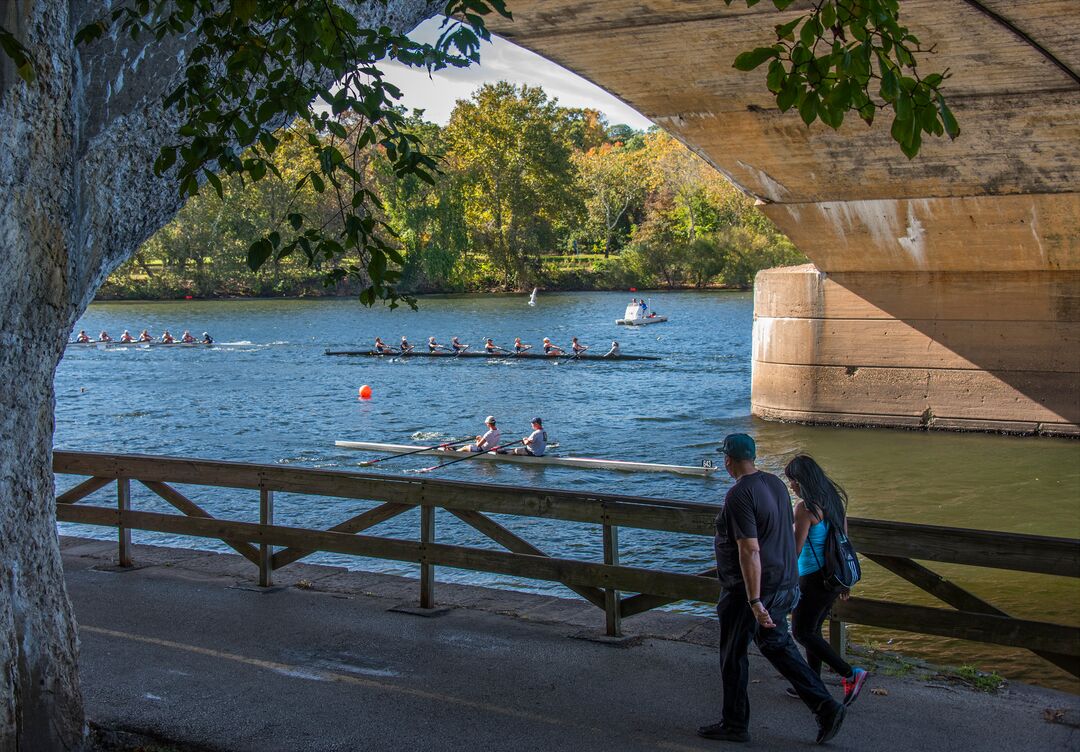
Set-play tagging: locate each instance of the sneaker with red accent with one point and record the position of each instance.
(853, 685)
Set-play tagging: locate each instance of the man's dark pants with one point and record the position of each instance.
(738, 627)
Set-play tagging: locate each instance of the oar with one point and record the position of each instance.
(369, 463)
(468, 456)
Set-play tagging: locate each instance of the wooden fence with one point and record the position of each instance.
(893, 545)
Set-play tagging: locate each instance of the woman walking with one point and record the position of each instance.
(822, 503)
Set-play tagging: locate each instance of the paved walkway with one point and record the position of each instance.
(186, 648)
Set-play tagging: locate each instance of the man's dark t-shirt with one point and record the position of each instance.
(757, 506)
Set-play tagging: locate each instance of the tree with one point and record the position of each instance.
(614, 178)
(510, 147)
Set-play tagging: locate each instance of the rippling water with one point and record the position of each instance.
(267, 393)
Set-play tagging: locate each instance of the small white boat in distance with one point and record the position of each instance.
(585, 463)
(532, 298)
(635, 315)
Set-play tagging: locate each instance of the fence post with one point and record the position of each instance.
(123, 504)
(612, 603)
(266, 552)
(427, 571)
(838, 636)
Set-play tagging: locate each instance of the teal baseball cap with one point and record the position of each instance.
(738, 446)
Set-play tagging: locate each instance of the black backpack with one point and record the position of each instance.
(840, 569)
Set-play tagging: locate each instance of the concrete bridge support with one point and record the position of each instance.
(945, 289)
(985, 351)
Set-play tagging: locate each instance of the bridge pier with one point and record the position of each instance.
(980, 351)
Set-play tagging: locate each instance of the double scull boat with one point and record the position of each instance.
(585, 463)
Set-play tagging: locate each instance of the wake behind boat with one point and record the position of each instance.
(490, 356)
(583, 463)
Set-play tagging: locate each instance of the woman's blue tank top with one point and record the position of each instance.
(814, 545)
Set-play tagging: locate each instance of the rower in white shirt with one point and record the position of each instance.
(535, 443)
(614, 351)
(488, 441)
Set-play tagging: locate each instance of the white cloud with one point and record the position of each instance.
(501, 61)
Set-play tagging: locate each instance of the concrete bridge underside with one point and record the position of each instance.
(944, 291)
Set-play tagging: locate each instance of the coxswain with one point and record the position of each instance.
(519, 347)
(486, 442)
(614, 351)
(577, 347)
(550, 349)
(406, 348)
(104, 337)
(207, 339)
(187, 339)
(434, 346)
(144, 336)
(126, 337)
(382, 348)
(83, 338)
(492, 348)
(458, 347)
(167, 339)
(535, 444)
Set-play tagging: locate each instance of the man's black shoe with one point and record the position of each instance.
(829, 722)
(723, 733)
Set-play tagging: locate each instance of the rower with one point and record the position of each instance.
(126, 337)
(83, 338)
(104, 336)
(493, 349)
(207, 339)
(577, 347)
(383, 349)
(187, 339)
(488, 441)
(434, 346)
(519, 347)
(553, 350)
(614, 351)
(535, 444)
(167, 338)
(406, 348)
(456, 344)
(144, 336)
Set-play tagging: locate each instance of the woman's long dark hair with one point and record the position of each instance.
(823, 496)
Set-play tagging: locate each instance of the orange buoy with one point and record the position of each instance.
(365, 392)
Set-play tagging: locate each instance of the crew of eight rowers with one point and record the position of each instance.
(126, 338)
(490, 347)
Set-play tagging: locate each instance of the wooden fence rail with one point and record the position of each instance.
(893, 545)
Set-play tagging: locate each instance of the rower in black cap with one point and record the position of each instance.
(535, 443)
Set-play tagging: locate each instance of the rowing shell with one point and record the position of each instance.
(586, 463)
(97, 343)
(482, 354)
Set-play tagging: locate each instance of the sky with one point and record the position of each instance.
(500, 61)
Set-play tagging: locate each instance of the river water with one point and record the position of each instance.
(267, 393)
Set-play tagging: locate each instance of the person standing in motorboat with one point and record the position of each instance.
(488, 441)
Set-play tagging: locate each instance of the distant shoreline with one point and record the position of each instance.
(422, 295)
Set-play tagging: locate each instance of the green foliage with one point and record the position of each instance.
(257, 65)
(19, 56)
(517, 204)
(853, 56)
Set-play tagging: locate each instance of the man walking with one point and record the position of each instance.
(758, 570)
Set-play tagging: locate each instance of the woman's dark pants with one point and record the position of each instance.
(806, 621)
(737, 628)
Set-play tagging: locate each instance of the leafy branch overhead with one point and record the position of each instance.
(260, 64)
(853, 56)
